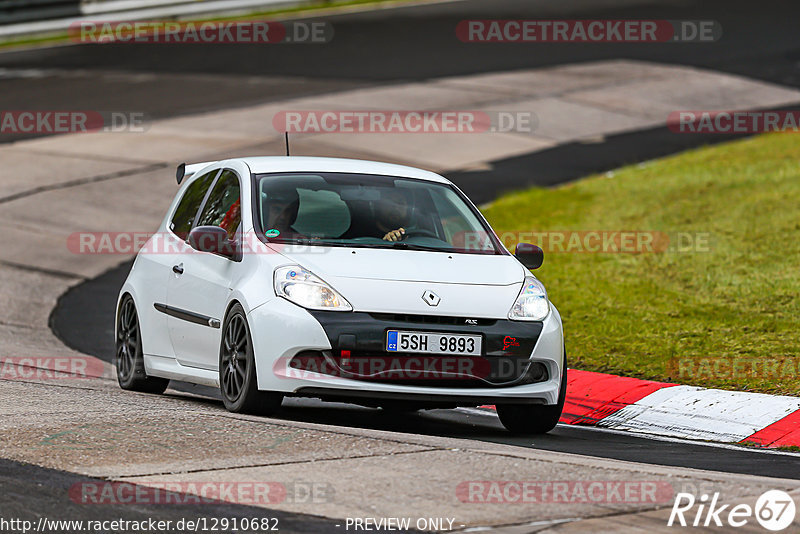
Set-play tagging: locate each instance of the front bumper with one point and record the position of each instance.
(520, 362)
(358, 343)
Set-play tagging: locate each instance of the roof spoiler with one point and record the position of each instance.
(186, 171)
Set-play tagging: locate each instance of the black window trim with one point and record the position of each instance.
(205, 198)
(238, 256)
(202, 203)
(255, 195)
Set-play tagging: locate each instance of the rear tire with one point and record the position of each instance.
(237, 369)
(527, 419)
(129, 360)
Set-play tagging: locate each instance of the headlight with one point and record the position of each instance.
(305, 289)
(532, 303)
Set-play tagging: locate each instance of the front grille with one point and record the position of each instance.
(430, 319)
(491, 371)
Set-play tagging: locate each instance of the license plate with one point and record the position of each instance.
(433, 343)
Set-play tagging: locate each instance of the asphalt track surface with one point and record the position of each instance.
(30, 492)
(404, 44)
(84, 320)
(399, 45)
(759, 40)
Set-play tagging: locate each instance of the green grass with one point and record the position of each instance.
(674, 316)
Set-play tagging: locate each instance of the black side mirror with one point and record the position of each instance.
(212, 239)
(529, 255)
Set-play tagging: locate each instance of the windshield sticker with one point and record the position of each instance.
(272, 232)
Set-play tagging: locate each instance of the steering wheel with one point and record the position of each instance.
(421, 232)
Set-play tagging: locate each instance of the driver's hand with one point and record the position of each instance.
(395, 235)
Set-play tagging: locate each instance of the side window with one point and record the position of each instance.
(187, 208)
(223, 207)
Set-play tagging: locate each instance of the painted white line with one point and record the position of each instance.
(99, 12)
(705, 414)
(653, 437)
(183, 9)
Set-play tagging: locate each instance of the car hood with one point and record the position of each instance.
(407, 265)
(398, 281)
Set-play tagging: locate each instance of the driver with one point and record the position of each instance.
(283, 213)
(392, 215)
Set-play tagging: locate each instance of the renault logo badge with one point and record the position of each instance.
(431, 298)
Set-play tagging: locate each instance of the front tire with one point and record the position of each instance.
(527, 419)
(130, 361)
(237, 369)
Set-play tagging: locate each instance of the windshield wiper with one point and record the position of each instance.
(400, 245)
(307, 241)
(412, 246)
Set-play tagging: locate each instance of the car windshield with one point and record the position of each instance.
(334, 209)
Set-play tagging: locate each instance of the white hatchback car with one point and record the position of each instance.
(345, 280)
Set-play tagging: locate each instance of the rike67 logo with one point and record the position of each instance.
(774, 510)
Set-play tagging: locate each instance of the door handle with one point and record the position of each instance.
(177, 269)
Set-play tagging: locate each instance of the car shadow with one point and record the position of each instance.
(475, 424)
